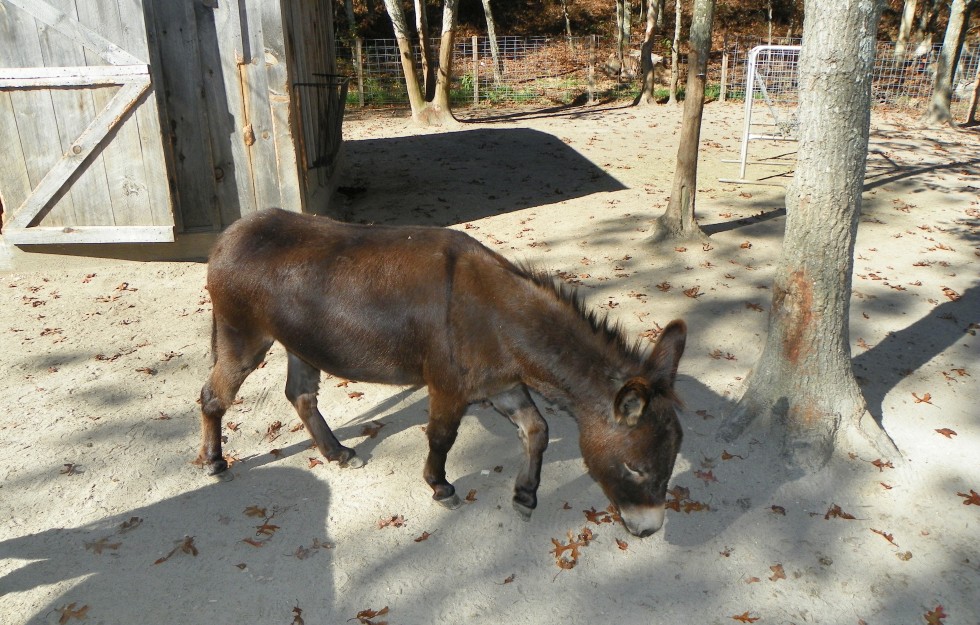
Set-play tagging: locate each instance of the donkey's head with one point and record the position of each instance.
(631, 453)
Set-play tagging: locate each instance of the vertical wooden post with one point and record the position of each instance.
(591, 73)
(359, 63)
(476, 71)
(724, 69)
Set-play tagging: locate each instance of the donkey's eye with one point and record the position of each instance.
(637, 474)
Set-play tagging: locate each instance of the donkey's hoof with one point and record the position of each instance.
(523, 511)
(354, 462)
(217, 467)
(451, 502)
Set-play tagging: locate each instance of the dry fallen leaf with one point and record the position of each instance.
(778, 510)
(297, 617)
(925, 399)
(622, 544)
(777, 572)
(396, 520)
(509, 579)
(889, 537)
(727, 456)
(835, 512)
(100, 545)
(973, 499)
(365, 616)
(423, 536)
(314, 462)
(882, 464)
(948, 433)
(69, 612)
(745, 618)
(471, 496)
(935, 616)
(373, 429)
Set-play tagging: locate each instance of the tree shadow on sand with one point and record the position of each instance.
(185, 559)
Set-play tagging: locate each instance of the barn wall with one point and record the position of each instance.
(226, 105)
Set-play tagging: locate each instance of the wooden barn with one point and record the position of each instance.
(155, 121)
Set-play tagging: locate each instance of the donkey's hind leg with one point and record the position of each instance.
(302, 384)
(236, 354)
(517, 405)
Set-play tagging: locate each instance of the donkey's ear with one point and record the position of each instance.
(631, 401)
(662, 363)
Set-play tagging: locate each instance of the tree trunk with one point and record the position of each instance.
(802, 391)
(443, 82)
(425, 47)
(949, 57)
(432, 107)
(971, 109)
(498, 68)
(678, 221)
(647, 62)
(400, 26)
(568, 20)
(351, 24)
(622, 35)
(926, 28)
(675, 54)
(905, 29)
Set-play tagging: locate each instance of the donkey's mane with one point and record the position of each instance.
(609, 331)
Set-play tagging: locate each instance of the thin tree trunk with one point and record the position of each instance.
(647, 65)
(498, 68)
(905, 29)
(444, 80)
(802, 391)
(678, 221)
(949, 57)
(675, 54)
(568, 20)
(400, 26)
(971, 114)
(428, 67)
(351, 24)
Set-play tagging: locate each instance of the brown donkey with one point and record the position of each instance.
(415, 305)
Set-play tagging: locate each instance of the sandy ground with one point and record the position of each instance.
(103, 518)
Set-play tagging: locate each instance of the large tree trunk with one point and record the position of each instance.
(905, 29)
(802, 391)
(678, 221)
(647, 62)
(949, 57)
(927, 25)
(431, 107)
(675, 54)
(498, 68)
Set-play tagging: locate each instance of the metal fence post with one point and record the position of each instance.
(591, 73)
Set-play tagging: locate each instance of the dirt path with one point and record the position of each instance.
(104, 520)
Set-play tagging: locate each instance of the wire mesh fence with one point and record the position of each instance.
(563, 70)
(903, 81)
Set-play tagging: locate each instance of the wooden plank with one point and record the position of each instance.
(219, 33)
(88, 234)
(30, 211)
(159, 202)
(15, 184)
(34, 114)
(261, 15)
(284, 145)
(74, 110)
(68, 76)
(186, 114)
(93, 41)
(122, 154)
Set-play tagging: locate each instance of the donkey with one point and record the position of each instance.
(434, 307)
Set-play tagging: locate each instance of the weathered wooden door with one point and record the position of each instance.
(83, 158)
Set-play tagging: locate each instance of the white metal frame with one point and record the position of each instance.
(747, 134)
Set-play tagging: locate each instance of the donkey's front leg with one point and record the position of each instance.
(517, 405)
(445, 413)
(302, 384)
